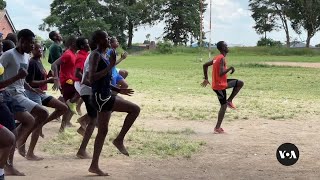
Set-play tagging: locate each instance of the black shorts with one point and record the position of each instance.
(6, 118)
(103, 103)
(222, 94)
(68, 91)
(91, 110)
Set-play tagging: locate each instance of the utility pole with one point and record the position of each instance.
(201, 8)
(210, 30)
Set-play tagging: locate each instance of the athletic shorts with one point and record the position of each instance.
(91, 110)
(6, 118)
(11, 103)
(103, 103)
(82, 89)
(222, 94)
(41, 99)
(20, 99)
(68, 91)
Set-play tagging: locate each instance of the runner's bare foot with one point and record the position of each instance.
(83, 155)
(41, 134)
(81, 131)
(33, 157)
(82, 122)
(98, 171)
(11, 171)
(119, 145)
(21, 149)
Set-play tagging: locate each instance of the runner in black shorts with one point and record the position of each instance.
(100, 76)
(220, 83)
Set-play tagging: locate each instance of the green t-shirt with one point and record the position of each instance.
(55, 51)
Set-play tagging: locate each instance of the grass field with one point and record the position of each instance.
(172, 138)
(168, 87)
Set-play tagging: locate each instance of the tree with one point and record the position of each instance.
(182, 19)
(128, 15)
(3, 4)
(277, 10)
(75, 17)
(39, 39)
(148, 37)
(280, 9)
(305, 14)
(263, 16)
(268, 42)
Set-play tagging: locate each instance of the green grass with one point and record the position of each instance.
(168, 87)
(140, 143)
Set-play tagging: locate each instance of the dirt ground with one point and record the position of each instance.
(295, 64)
(247, 151)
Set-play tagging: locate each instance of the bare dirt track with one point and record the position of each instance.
(295, 64)
(247, 151)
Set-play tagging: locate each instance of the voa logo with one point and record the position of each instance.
(287, 154)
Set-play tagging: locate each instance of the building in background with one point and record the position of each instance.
(6, 25)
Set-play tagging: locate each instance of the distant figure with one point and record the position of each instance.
(12, 37)
(44, 50)
(7, 45)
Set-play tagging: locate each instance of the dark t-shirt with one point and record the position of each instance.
(55, 51)
(36, 72)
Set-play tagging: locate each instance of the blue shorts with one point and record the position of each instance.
(11, 103)
(116, 77)
(41, 99)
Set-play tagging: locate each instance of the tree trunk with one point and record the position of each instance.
(310, 34)
(130, 26)
(308, 41)
(288, 39)
(130, 33)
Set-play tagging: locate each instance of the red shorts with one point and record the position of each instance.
(68, 91)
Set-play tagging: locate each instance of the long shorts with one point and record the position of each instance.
(91, 110)
(41, 99)
(82, 89)
(68, 91)
(19, 101)
(6, 118)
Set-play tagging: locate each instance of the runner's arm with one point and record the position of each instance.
(205, 68)
(222, 71)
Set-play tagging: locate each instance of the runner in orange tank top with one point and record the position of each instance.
(220, 82)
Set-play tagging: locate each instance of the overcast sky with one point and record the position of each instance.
(231, 22)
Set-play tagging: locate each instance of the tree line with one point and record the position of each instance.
(300, 15)
(121, 18)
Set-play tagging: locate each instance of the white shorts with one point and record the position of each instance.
(23, 100)
(82, 89)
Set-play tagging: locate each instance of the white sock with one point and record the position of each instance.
(1, 172)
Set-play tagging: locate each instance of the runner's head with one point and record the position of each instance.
(12, 37)
(37, 50)
(83, 44)
(101, 39)
(55, 36)
(26, 40)
(71, 42)
(114, 42)
(222, 47)
(7, 45)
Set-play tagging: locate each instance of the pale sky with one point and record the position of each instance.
(231, 22)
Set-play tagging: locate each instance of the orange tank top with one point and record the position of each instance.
(219, 82)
